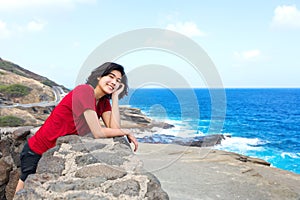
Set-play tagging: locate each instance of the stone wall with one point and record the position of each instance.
(77, 168)
(11, 144)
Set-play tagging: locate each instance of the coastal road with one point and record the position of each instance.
(58, 94)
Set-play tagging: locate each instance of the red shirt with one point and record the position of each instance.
(67, 118)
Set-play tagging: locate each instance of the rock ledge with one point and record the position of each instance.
(85, 168)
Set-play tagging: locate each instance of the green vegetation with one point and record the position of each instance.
(14, 90)
(49, 83)
(10, 67)
(11, 121)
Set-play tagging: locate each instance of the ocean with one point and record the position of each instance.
(261, 123)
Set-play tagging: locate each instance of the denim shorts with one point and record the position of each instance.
(29, 162)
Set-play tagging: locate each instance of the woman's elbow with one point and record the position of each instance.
(97, 135)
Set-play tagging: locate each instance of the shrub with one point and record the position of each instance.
(11, 121)
(14, 90)
(48, 83)
(11, 68)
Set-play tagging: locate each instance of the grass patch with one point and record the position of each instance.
(11, 68)
(11, 121)
(48, 83)
(14, 90)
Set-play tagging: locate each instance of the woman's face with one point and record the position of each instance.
(110, 82)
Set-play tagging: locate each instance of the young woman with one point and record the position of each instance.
(78, 113)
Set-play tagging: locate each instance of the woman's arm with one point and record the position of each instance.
(100, 132)
(114, 118)
(111, 118)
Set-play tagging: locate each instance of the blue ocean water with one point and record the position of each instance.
(262, 123)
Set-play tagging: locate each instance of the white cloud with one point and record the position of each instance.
(189, 29)
(4, 31)
(286, 16)
(12, 5)
(251, 55)
(35, 25)
(8, 31)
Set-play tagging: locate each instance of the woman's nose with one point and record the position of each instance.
(114, 81)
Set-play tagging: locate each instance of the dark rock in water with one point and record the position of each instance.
(167, 126)
(162, 125)
(199, 141)
(134, 114)
(134, 118)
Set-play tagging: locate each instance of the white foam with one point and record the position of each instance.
(289, 154)
(240, 145)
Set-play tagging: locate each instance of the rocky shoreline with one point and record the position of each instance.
(209, 174)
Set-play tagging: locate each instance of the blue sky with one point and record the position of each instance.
(251, 43)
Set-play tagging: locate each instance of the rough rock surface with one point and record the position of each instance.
(76, 168)
(12, 140)
(198, 141)
(82, 167)
(209, 174)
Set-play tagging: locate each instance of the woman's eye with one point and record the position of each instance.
(118, 80)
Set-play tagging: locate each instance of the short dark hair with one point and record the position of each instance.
(104, 70)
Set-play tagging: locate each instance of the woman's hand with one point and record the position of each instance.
(119, 90)
(132, 139)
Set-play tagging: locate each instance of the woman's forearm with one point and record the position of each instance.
(110, 132)
(97, 130)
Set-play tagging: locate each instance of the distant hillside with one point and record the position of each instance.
(21, 86)
(16, 69)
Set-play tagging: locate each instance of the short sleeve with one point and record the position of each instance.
(103, 106)
(83, 99)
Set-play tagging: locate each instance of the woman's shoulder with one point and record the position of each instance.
(84, 87)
